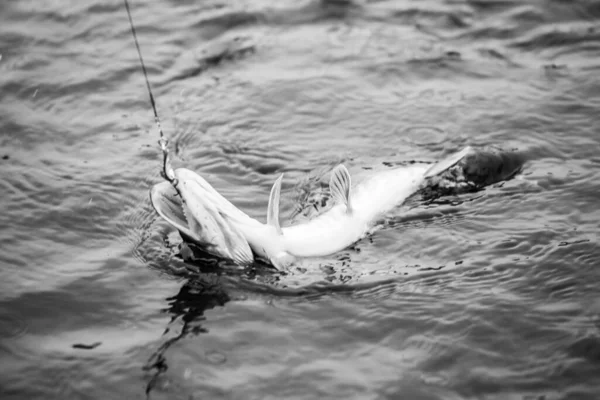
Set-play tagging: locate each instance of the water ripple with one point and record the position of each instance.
(489, 294)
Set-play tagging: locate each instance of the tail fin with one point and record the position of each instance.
(448, 162)
(471, 170)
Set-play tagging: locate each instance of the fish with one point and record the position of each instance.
(206, 219)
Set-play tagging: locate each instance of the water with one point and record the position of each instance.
(489, 295)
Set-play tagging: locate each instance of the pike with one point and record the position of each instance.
(206, 219)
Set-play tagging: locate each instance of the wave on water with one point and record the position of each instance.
(484, 293)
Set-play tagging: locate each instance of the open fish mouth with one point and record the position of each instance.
(202, 216)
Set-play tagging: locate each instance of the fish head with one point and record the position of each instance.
(202, 216)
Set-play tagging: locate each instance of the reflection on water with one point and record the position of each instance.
(186, 310)
(487, 294)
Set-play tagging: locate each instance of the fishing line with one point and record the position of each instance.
(167, 171)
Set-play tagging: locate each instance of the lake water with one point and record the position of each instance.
(487, 295)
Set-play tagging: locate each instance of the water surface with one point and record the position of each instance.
(488, 295)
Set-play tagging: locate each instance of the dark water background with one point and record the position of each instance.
(491, 295)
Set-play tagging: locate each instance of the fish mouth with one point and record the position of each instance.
(202, 216)
(167, 203)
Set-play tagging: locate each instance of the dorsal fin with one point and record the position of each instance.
(339, 185)
(273, 210)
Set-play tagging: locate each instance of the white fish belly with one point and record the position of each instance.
(382, 192)
(326, 234)
(336, 229)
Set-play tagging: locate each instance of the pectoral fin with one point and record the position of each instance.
(340, 184)
(282, 261)
(273, 209)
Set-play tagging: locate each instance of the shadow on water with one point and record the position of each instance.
(208, 286)
(187, 306)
